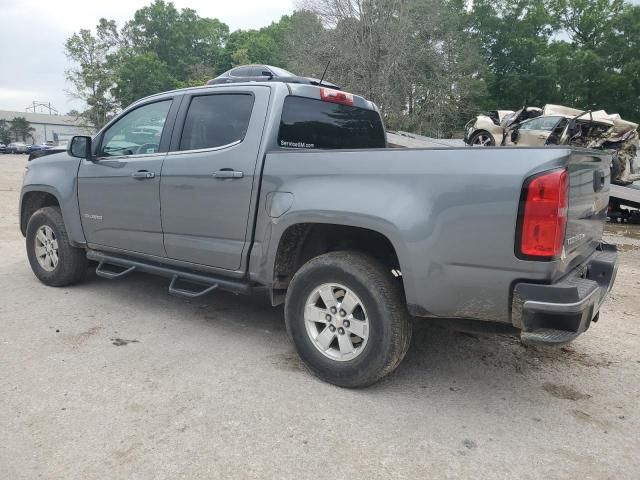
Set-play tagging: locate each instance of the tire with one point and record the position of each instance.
(482, 139)
(381, 304)
(71, 263)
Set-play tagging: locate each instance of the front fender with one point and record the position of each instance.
(57, 175)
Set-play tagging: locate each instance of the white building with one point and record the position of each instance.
(49, 128)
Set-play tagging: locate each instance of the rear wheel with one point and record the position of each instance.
(52, 258)
(347, 318)
(482, 139)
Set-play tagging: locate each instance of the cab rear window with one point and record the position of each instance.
(310, 123)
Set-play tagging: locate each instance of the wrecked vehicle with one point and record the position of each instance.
(487, 129)
(559, 125)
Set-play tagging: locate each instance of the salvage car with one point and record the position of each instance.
(560, 125)
(487, 129)
(265, 73)
(289, 190)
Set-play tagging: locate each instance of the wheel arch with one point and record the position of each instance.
(300, 242)
(34, 200)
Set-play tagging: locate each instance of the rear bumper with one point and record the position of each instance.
(559, 312)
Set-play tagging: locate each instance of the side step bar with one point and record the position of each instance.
(208, 283)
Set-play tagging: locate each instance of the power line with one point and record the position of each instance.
(43, 105)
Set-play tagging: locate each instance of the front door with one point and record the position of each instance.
(536, 132)
(119, 190)
(208, 177)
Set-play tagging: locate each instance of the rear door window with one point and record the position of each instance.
(310, 123)
(216, 120)
(541, 123)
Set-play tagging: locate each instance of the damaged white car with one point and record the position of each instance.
(558, 125)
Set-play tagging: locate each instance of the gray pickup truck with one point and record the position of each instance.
(291, 189)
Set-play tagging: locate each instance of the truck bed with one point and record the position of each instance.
(450, 213)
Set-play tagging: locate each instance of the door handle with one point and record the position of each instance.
(228, 173)
(143, 174)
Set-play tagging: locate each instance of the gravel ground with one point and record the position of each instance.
(120, 380)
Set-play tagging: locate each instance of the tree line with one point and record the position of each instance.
(429, 65)
(17, 129)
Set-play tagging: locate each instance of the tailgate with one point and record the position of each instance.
(589, 180)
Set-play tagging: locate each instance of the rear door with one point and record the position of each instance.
(207, 177)
(119, 190)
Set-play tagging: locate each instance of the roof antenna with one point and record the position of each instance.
(324, 73)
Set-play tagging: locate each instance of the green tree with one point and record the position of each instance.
(582, 53)
(21, 129)
(514, 37)
(605, 40)
(411, 57)
(92, 77)
(5, 132)
(178, 38)
(266, 45)
(137, 76)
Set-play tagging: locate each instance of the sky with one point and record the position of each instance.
(33, 32)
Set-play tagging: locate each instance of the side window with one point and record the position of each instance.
(256, 70)
(138, 132)
(216, 120)
(241, 72)
(540, 123)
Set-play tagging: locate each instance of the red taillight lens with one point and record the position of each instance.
(336, 96)
(544, 215)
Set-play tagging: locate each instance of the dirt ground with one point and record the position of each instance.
(117, 379)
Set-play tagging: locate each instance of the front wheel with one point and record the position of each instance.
(482, 139)
(53, 259)
(347, 318)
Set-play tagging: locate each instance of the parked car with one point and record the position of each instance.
(3, 148)
(37, 147)
(289, 189)
(265, 73)
(50, 150)
(17, 147)
(560, 125)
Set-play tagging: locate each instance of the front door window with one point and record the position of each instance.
(137, 133)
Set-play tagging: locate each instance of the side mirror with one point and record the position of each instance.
(266, 73)
(80, 147)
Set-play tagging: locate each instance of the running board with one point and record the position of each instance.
(182, 292)
(208, 283)
(110, 274)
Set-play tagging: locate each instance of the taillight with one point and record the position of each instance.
(336, 96)
(543, 216)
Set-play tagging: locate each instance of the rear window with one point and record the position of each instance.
(309, 123)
